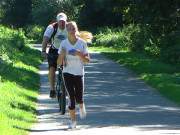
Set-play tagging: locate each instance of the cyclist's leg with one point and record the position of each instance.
(52, 61)
(52, 76)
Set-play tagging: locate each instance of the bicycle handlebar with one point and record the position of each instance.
(60, 67)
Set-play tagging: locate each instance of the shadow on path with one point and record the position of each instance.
(114, 98)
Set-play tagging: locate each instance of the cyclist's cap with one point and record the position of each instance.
(61, 16)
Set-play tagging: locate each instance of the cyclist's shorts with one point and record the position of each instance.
(52, 57)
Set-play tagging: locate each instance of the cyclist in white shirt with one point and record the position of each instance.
(73, 53)
(54, 34)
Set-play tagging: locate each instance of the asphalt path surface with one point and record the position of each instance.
(117, 103)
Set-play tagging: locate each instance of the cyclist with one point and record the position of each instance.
(55, 32)
(73, 53)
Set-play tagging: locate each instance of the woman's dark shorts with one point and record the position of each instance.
(75, 88)
(52, 57)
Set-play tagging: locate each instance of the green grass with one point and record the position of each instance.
(162, 76)
(19, 85)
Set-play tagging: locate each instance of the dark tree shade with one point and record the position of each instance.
(16, 12)
(101, 13)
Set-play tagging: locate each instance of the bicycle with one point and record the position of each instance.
(60, 90)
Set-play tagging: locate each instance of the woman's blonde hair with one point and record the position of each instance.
(85, 35)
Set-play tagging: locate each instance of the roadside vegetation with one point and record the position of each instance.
(19, 82)
(160, 73)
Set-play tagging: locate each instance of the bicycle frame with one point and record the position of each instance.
(61, 93)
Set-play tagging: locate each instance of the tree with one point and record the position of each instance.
(101, 13)
(45, 11)
(162, 16)
(15, 12)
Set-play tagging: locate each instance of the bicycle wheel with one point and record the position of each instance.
(58, 90)
(62, 99)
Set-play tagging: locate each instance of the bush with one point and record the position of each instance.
(18, 38)
(34, 32)
(170, 50)
(110, 37)
(133, 37)
(142, 39)
(129, 36)
(11, 41)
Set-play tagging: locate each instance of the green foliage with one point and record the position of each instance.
(72, 8)
(143, 39)
(15, 12)
(140, 38)
(161, 15)
(34, 32)
(170, 50)
(45, 11)
(111, 38)
(19, 83)
(146, 23)
(11, 41)
(18, 39)
(98, 13)
(132, 37)
(19, 86)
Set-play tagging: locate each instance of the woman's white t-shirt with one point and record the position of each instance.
(58, 37)
(74, 65)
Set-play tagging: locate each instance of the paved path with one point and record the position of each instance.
(116, 101)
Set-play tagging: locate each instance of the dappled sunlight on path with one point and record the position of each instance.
(116, 101)
(117, 97)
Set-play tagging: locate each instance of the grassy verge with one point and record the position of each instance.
(19, 85)
(164, 77)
